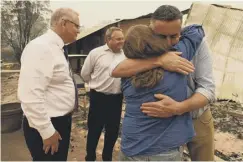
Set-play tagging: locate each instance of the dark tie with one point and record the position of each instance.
(71, 74)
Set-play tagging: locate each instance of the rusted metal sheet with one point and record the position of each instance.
(224, 33)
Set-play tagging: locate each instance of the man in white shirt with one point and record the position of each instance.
(105, 94)
(46, 89)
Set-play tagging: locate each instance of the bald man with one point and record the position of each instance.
(46, 89)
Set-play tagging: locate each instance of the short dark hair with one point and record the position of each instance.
(167, 13)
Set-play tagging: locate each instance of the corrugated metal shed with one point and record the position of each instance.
(224, 33)
(93, 29)
(88, 31)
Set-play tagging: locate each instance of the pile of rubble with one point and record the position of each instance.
(228, 117)
(228, 123)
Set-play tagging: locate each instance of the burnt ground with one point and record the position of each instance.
(228, 121)
(228, 117)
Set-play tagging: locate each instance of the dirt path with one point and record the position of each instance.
(13, 146)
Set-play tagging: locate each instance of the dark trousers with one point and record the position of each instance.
(35, 143)
(104, 112)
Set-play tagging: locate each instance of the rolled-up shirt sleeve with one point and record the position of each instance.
(36, 72)
(204, 79)
(118, 59)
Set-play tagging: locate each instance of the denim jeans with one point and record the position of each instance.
(172, 155)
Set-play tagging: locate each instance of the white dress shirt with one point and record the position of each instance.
(45, 87)
(95, 70)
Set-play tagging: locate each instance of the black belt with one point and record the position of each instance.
(108, 94)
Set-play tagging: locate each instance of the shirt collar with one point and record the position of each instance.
(56, 38)
(106, 48)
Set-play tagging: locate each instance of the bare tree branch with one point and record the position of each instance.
(22, 21)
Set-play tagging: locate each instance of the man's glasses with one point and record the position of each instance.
(76, 25)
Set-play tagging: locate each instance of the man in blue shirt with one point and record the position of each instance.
(200, 85)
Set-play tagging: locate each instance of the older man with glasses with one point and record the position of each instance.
(46, 89)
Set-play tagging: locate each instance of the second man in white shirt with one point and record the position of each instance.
(105, 94)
